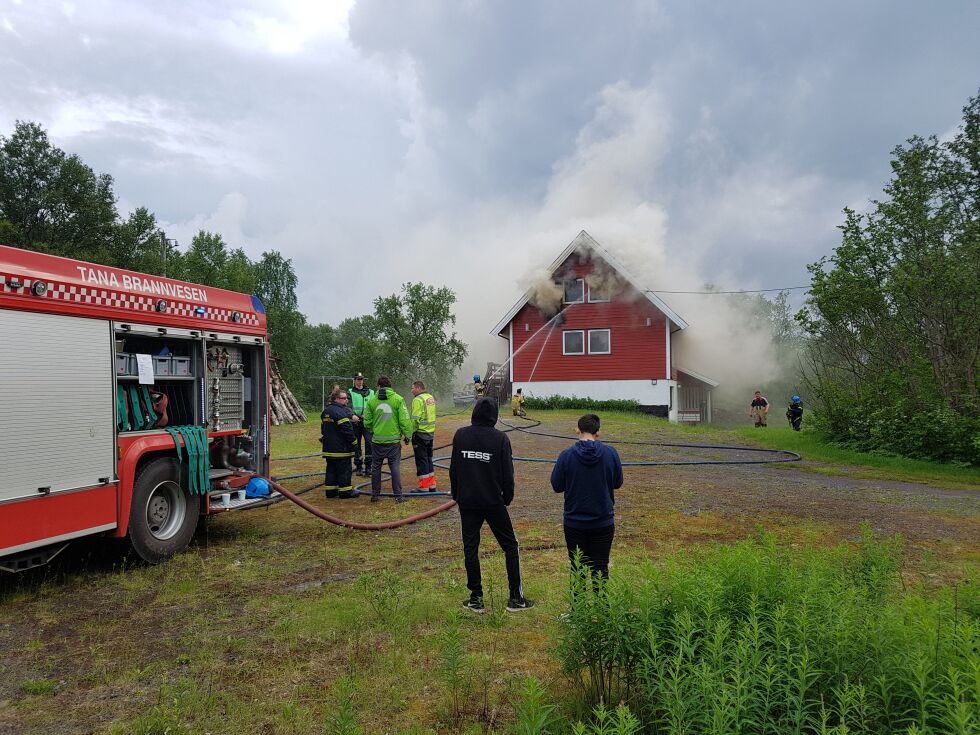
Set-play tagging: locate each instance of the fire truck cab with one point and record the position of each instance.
(96, 364)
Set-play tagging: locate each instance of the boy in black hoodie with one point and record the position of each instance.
(481, 479)
(588, 472)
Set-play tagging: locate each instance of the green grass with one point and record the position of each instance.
(821, 455)
(294, 439)
(758, 638)
(277, 623)
(815, 448)
(37, 687)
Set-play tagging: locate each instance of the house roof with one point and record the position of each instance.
(585, 240)
(697, 376)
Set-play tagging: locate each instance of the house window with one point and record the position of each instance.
(574, 291)
(599, 342)
(598, 294)
(573, 342)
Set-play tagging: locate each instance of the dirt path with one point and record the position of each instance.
(917, 511)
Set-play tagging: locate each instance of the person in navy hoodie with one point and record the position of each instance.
(588, 472)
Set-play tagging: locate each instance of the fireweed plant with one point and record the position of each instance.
(754, 638)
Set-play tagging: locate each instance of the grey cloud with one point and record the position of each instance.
(444, 139)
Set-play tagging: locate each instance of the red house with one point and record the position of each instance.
(589, 330)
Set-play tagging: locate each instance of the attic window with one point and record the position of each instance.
(574, 291)
(598, 294)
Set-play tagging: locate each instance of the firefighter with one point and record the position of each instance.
(517, 404)
(759, 409)
(359, 396)
(337, 439)
(387, 420)
(794, 414)
(477, 387)
(423, 416)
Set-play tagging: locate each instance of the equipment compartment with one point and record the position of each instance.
(174, 376)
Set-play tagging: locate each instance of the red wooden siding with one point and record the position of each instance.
(639, 351)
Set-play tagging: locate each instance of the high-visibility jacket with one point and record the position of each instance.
(516, 402)
(386, 417)
(359, 399)
(424, 413)
(336, 432)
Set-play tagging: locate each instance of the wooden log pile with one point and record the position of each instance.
(285, 407)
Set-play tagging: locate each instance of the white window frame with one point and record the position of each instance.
(598, 301)
(564, 291)
(608, 339)
(564, 350)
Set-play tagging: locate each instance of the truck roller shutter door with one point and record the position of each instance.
(57, 403)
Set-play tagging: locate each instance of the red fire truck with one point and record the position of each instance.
(113, 384)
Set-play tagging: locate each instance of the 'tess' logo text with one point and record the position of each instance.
(482, 456)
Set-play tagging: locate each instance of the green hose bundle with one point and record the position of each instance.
(198, 462)
(134, 408)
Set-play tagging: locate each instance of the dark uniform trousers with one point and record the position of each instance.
(338, 477)
(361, 433)
(422, 447)
(498, 519)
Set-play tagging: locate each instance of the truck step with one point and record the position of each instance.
(236, 500)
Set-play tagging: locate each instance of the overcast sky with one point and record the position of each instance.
(466, 142)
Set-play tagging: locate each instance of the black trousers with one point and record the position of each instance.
(595, 544)
(497, 517)
(361, 433)
(338, 478)
(422, 446)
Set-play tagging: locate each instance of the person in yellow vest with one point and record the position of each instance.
(359, 396)
(423, 435)
(517, 404)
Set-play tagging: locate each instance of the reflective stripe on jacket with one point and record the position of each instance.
(424, 413)
(336, 432)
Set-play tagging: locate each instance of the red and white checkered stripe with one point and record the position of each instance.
(97, 296)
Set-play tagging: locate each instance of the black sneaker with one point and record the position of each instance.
(514, 604)
(375, 498)
(400, 498)
(474, 604)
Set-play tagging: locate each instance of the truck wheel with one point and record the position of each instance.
(163, 516)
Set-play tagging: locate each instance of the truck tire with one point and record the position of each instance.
(162, 517)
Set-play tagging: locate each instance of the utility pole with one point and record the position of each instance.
(163, 249)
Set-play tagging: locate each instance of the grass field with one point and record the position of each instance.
(274, 622)
(823, 456)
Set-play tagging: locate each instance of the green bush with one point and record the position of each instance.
(885, 418)
(753, 638)
(579, 404)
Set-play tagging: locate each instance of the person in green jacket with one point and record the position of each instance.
(359, 396)
(386, 417)
(423, 434)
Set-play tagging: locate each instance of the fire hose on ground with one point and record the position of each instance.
(787, 456)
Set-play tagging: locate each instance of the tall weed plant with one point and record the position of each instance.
(754, 638)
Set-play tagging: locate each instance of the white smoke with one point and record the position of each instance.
(495, 252)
